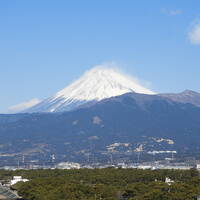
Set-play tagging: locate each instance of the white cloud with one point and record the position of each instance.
(22, 106)
(172, 12)
(194, 33)
(117, 67)
(175, 12)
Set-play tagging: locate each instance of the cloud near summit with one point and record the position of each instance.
(112, 65)
(22, 106)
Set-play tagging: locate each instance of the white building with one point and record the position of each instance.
(17, 179)
(68, 165)
(168, 181)
(144, 167)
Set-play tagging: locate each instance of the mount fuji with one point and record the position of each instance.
(95, 85)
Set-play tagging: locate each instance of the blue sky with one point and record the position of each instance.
(45, 44)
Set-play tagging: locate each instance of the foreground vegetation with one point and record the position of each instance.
(108, 184)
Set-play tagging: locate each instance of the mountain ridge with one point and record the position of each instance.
(187, 96)
(142, 122)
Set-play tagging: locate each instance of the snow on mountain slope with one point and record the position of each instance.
(96, 84)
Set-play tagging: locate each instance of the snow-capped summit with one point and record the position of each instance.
(96, 84)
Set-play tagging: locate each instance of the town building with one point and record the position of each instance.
(17, 179)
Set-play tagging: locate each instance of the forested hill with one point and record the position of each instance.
(107, 184)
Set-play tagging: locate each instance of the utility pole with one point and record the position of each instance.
(138, 155)
(23, 159)
(88, 158)
(111, 158)
(53, 157)
(18, 164)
